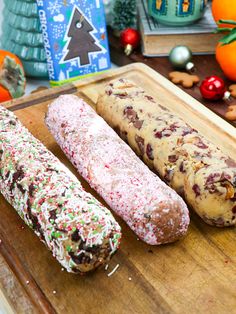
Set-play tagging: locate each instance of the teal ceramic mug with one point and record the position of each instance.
(176, 12)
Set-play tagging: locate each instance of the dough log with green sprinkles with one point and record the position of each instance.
(80, 232)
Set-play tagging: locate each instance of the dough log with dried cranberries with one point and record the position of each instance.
(81, 233)
(186, 160)
(153, 210)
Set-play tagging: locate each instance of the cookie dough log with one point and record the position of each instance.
(187, 161)
(152, 210)
(80, 232)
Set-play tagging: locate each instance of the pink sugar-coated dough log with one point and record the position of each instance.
(155, 212)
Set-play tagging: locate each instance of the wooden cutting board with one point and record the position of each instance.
(194, 275)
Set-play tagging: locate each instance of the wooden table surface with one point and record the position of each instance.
(206, 65)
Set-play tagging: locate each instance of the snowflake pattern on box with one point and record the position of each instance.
(75, 37)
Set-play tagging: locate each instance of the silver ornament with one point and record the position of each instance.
(180, 57)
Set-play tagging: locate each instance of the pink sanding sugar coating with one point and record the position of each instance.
(155, 212)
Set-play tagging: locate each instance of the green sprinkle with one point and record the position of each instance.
(95, 218)
(71, 216)
(68, 248)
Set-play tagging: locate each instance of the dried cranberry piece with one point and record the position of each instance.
(158, 134)
(138, 124)
(149, 152)
(200, 144)
(173, 158)
(212, 221)
(130, 114)
(225, 177)
(140, 142)
(109, 92)
(122, 95)
(187, 130)
(230, 163)
(150, 98)
(211, 177)
(173, 127)
(181, 167)
(196, 189)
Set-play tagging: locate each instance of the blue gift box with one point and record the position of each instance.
(75, 38)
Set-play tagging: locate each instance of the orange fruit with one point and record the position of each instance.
(224, 9)
(12, 77)
(226, 57)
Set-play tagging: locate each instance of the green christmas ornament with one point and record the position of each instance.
(21, 35)
(124, 14)
(180, 57)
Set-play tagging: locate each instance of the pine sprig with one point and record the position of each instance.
(124, 13)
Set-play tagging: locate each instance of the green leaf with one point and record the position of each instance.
(229, 38)
(226, 22)
(223, 29)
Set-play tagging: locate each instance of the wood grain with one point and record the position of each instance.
(13, 298)
(194, 275)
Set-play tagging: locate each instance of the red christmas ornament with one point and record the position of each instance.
(130, 39)
(213, 88)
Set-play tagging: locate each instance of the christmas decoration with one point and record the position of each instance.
(214, 88)
(80, 32)
(22, 36)
(176, 13)
(75, 38)
(130, 39)
(124, 12)
(108, 4)
(180, 57)
(225, 50)
(224, 10)
(12, 78)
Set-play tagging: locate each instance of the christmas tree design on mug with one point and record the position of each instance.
(158, 4)
(185, 7)
(176, 12)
